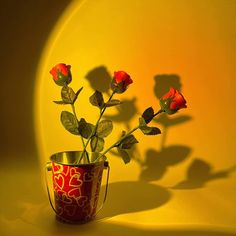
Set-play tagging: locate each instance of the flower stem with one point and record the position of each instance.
(123, 137)
(96, 126)
(82, 139)
(101, 114)
(117, 142)
(160, 111)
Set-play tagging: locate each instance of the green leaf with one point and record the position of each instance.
(67, 95)
(148, 114)
(165, 106)
(118, 87)
(128, 142)
(123, 133)
(77, 94)
(69, 122)
(97, 144)
(105, 127)
(150, 130)
(97, 99)
(113, 102)
(85, 129)
(146, 129)
(124, 155)
(142, 122)
(60, 102)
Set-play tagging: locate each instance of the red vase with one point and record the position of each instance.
(76, 186)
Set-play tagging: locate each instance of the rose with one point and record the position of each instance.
(121, 81)
(95, 134)
(172, 101)
(121, 76)
(61, 74)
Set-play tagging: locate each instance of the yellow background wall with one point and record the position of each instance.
(192, 45)
(181, 182)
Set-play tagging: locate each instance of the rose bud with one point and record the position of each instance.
(172, 101)
(120, 81)
(61, 74)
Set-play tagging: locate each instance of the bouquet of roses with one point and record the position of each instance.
(93, 135)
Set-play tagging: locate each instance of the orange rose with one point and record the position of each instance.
(172, 101)
(120, 81)
(61, 74)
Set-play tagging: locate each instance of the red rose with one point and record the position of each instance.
(120, 81)
(172, 101)
(61, 74)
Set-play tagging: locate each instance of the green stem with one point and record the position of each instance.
(160, 111)
(96, 126)
(102, 112)
(82, 139)
(116, 143)
(164, 133)
(123, 137)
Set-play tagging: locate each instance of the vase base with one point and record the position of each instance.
(67, 221)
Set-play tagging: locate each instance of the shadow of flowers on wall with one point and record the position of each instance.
(199, 173)
(133, 196)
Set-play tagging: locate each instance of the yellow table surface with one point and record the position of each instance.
(181, 182)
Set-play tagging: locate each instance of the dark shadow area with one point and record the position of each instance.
(26, 26)
(199, 173)
(129, 197)
(125, 112)
(20, 189)
(100, 79)
(164, 81)
(168, 121)
(44, 223)
(123, 197)
(102, 228)
(157, 163)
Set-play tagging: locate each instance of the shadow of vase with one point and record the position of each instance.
(133, 196)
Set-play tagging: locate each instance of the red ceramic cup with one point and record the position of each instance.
(76, 186)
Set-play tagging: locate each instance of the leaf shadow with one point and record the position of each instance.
(157, 163)
(199, 173)
(168, 121)
(125, 112)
